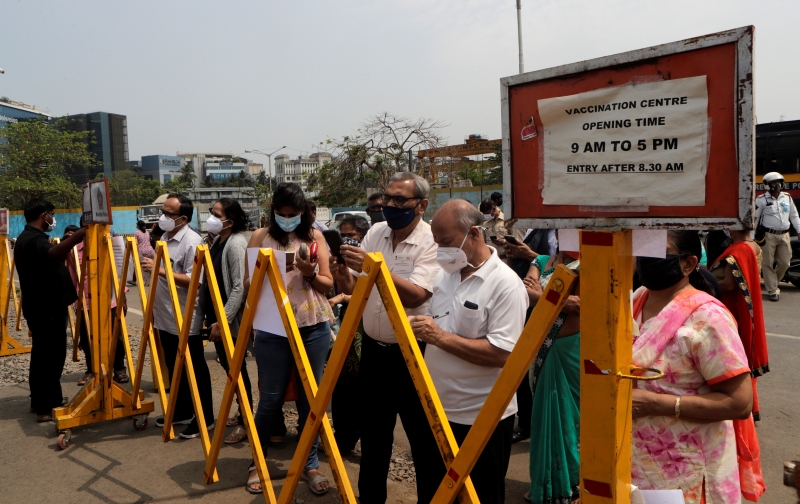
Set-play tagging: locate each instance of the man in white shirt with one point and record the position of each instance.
(475, 318)
(407, 245)
(182, 241)
(775, 210)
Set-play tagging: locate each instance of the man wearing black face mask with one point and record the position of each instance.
(47, 290)
(775, 211)
(407, 245)
(375, 208)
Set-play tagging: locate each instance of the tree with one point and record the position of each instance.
(378, 149)
(34, 157)
(129, 189)
(187, 175)
(176, 185)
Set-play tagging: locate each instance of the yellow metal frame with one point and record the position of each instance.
(101, 398)
(606, 353)
(266, 267)
(8, 344)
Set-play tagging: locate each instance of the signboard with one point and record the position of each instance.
(4, 221)
(96, 200)
(323, 214)
(657, 137)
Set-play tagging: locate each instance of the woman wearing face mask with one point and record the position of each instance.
(555, 383)
(226, 223)
(683, 434)
(307, 282)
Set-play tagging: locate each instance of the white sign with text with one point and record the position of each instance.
(641, 144)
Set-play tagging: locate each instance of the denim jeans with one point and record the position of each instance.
(275, 363)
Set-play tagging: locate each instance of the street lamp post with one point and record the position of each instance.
(269, 161)
(519, 36)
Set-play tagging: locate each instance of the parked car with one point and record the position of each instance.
(338, 216)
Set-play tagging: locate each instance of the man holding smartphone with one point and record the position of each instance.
(407, 245)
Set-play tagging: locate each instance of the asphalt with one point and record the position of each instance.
(112, 463)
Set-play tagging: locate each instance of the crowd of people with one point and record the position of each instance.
(468, 282)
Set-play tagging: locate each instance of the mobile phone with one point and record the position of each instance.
(335, 243)
(493, 238)
(511, 239)
(289, 258)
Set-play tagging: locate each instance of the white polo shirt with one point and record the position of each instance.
(181, 248)
(491, 304)
(414, 260)
(777, 213)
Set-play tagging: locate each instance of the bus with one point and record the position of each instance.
(778, 150)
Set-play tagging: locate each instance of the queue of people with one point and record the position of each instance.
(468, 285)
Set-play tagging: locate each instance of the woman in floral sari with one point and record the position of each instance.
(555, 383)
(683, 434)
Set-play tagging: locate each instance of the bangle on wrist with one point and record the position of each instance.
(677, 407)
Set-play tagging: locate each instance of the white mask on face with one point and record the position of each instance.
(214, 225)
(166, 224)
(452, 259)
(487, 216)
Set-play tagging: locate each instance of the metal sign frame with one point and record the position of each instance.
(744, 136)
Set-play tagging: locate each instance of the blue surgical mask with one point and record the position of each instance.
(288, 224)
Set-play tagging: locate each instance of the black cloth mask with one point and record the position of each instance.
(658, 274)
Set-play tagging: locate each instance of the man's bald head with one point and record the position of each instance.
(458, 214)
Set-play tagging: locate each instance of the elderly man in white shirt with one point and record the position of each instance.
(475, 318)
(775, 210)
(407, 245)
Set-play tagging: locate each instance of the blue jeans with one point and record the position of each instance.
(275, 363)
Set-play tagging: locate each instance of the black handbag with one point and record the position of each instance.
(761, 232)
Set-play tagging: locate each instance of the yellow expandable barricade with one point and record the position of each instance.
(8, 291)
(102, 399)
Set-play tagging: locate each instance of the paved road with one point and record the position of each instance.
(111, 462)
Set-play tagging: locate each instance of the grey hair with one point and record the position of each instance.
(421, 187)
(464, 218)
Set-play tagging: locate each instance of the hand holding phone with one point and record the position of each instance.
(511, 239)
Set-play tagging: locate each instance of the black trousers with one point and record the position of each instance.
(183, 407)
(387, 384)
(48, 352)
(524, 405)
(346, 409)
(489, 474)
(223, 361)
(85, 345)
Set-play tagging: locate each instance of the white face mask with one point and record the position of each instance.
(452, 259)
(52, 226)
(214, 225)
(487, 216)
(166, 224)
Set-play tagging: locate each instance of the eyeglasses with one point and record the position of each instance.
(399, 201)
(169, 214)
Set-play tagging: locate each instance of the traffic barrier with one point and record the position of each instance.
(8, 291)
(102, 399)
(266, 267)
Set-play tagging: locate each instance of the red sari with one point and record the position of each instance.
(747, 308)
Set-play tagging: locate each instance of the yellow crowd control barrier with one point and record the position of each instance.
(101, 399)
(8, 291)
(267, 267)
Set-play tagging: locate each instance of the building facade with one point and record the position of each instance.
(160, 167)
(13, 112)
(109, 145)
(300, 169)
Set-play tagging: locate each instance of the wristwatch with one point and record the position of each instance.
(311, 278)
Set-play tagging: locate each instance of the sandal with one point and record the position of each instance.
(86, 377)
(253, 479)
(232, 421)
(313, 481)
(121, 376)
(236, 436)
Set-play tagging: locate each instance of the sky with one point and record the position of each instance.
(239, 75)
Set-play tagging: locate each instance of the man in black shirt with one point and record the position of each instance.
(47, 290)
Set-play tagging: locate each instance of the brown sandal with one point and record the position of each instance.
(121, 376)
(86, 377)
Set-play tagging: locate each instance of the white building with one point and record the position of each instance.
(219, 166)
(298, 170)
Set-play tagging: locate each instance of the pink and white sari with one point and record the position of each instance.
(695, 343)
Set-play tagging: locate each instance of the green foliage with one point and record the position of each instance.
(176, 185)
(187, 175)
(34, 159)
(129, 189)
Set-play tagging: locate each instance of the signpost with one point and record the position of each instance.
(659, 138)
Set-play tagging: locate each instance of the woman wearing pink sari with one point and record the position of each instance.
(683, 434)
